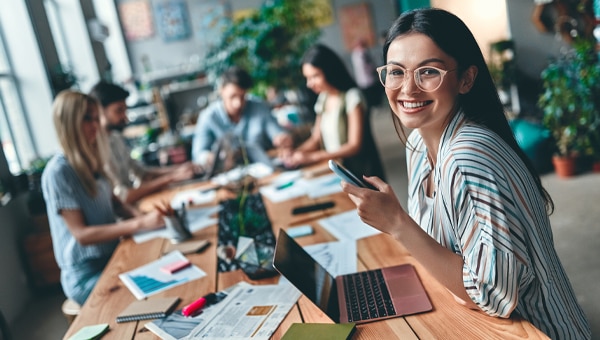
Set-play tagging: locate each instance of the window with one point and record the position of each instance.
(15, 133)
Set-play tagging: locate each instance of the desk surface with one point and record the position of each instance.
(448, 320)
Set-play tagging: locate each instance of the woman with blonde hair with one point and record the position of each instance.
(82, 210)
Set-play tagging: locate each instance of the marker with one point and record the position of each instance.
(197, 305)
(284, 185)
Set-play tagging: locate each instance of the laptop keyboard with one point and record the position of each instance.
(367, 296)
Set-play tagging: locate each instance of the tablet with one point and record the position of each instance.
(349, 177)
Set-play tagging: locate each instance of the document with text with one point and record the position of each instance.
(249, 312)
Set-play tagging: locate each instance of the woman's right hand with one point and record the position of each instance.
(379, 209)
(152, 220)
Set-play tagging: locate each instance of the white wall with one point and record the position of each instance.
(487, 19)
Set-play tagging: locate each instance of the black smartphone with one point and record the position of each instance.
(349, 177)
(312, 207)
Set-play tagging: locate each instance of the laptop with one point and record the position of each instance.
(358, 297)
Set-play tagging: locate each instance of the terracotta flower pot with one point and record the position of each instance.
(596, 166)
(564, 166)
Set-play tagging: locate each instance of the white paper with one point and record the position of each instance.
(176, 326)
(347, 226)
(285, 186)
(256, 170)
(313, 188)
(149, 279)
(198, 218)
(193, 197)
(252, 312)
(338, 258)
(323, 186)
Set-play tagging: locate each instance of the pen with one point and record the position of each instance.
(197, 305)
(284, 185)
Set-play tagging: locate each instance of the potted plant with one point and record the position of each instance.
(269, 44)
(570, 102)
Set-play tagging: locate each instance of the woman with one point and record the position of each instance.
(81, 207)
(477, 216)
(342, 129)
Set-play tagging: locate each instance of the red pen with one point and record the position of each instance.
(197, 305)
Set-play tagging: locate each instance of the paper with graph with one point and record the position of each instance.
(149, 279)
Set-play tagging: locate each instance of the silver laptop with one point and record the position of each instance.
(358, 297)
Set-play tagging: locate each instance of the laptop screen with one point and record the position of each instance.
(306, 274)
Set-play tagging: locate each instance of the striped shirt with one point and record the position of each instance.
(487, 209)
(63, 190)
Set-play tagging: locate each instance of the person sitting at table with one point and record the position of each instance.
(81, 207)
(477, 214)
(237, 114)
(132, 179)
(342, 129)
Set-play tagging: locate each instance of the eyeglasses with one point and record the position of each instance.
(427, 78)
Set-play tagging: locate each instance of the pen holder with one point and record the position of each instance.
(178, 227)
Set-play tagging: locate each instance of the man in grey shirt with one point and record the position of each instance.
(236, 114)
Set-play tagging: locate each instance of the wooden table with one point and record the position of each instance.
(448, 320)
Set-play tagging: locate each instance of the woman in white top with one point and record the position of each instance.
(342, 129)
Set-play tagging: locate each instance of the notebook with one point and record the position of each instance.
(395, 291)
(154, 308)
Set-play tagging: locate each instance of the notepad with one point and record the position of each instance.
(154, 308)
(319, 331)
(91, 332)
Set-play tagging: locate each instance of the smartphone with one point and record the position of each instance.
(349, 177)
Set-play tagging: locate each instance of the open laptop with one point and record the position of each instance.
(397, 290)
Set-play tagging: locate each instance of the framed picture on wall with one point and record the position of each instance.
(136, 19)
(356, 24)
(172, 20)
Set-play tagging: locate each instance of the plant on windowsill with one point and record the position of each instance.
(35, 200)
(62, 78)
(570, 102)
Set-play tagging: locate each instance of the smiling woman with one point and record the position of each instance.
(473, 219)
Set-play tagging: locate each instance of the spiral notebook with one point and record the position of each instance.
(154, 308)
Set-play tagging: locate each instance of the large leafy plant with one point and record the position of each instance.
(570, 100)
(269, 44)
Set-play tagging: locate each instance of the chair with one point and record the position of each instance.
(4, 329)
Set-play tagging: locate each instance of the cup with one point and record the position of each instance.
(177, 228)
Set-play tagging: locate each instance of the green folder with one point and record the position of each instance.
(320, 331)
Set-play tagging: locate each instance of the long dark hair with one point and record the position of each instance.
(481, 104)
(332, 66)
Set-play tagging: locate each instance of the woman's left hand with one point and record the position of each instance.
(296, 159)
(379, 209)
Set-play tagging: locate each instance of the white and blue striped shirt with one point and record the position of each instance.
(487, 209)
